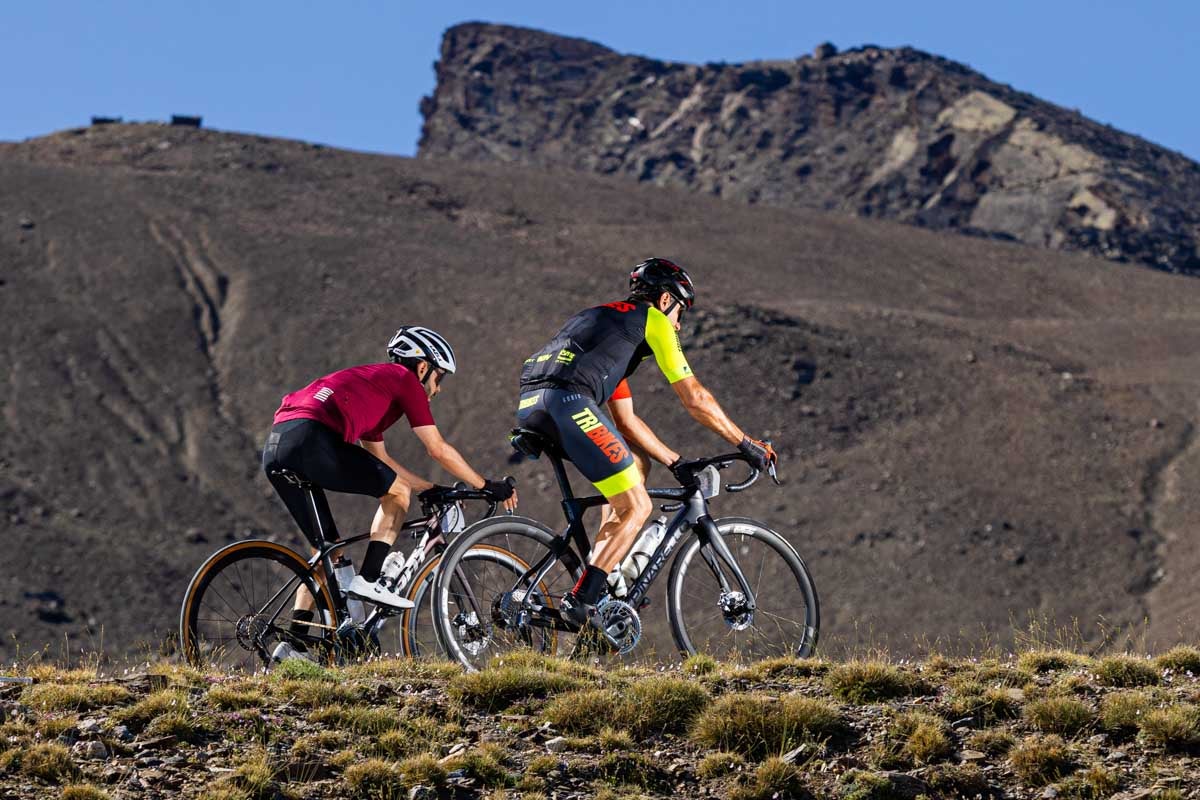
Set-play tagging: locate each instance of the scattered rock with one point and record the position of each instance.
(91, 750)
(556, 745)
(1156, 423)
(970, 358)
(825, 50)
(1049, 793)
(972, 755)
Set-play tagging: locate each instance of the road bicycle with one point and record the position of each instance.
(747, 596)
(237, 610)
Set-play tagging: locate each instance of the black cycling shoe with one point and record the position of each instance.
(575, 611)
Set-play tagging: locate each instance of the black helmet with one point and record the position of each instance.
(656, 275)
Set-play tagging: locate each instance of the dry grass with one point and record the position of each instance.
(582, 712)
(913, 738)
(718, 765)
(992, 742)
(49, 762)
(1097, 783)
(1041, 661)
(774, 778)
(1121, 714)
(870, 682)
(359, 719)
(499, 688)
(1038, 760)
(1127, 671)
(74, 696)
(1065, 716)
(662, 705)
(1175, 727)
(83, 791)
(758, 726)
(138, 715)
(1182, 659)
(234, 697)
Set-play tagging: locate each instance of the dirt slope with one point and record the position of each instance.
(971, 430)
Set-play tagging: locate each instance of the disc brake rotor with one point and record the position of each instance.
(736, 610)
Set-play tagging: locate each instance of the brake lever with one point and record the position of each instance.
(774, 477)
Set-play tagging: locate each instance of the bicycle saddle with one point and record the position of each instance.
(293, 477)
(531, 443)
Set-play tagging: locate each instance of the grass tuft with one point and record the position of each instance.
(83, 791)
(234, 697)
(582, 712)
(914, 738)
(1126, 671)
(774, 778)
(375, 779)
(1095, 784)
(1038, 760)
(138, 715)
(1175, 727)
(631, 769)
(718, 765)
(1065, 716)
(661, 705)
(758, 726)
(699, 664)
(73, 696)
(1042, 661)
(498, 688)
(483, 765)
(48, 761)
(359, 719)
(863, 682)
(1121, 714)
(1180, 659)
(992, 742)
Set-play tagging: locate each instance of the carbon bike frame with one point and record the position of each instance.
(692, 515)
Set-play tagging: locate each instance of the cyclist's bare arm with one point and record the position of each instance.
(444, 453)
(705, 409)
(379, 450)
(637, 433)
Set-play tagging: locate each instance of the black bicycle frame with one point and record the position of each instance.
(693, 515)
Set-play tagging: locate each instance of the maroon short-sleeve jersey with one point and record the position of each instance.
(361, 402)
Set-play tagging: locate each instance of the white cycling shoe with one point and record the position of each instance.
(377, 593)
(284, 651)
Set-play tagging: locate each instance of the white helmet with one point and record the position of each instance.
(413, 341)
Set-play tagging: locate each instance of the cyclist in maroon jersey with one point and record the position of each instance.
(316, 430)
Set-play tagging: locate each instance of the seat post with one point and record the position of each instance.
(560, 472)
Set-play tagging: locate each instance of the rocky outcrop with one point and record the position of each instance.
(898, 134)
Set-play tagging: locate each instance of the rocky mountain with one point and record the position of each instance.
(887, 133)
(971, 431)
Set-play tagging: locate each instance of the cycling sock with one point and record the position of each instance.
(373, 562)
(300, 619)
(591, 584)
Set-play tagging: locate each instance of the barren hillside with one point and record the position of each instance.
(970, 430)
(891, 133)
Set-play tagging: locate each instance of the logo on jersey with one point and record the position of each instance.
(621, 306)
(323, 394)
(600, 435)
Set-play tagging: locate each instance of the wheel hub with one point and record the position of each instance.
(736, 610)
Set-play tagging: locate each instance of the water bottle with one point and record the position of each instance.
(393, 565)
(343, 570)
(643, 550)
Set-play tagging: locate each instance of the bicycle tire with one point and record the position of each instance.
(715, 632)
(421, 637)
(232, 563)
(466, 636)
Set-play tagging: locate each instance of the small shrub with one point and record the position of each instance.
(870, 682)
(774, 778)
(1041, 661)
(992, 742)
(1121, 713)
(1180, 659)
(699, 664)
(1126, 671)
(83, 791)
(582, 711)
(914, 738)
(985, 705)
(1062, 715)
(757, 725)
(718, 765)
(783, 667)
(1175, 727)
(1040, 760)
(375, 779)
(498, 688)
(73, 696)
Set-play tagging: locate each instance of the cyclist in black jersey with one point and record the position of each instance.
(567, 385)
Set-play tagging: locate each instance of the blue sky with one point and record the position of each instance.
(351, 73)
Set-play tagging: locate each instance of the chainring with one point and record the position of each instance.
(620, 623)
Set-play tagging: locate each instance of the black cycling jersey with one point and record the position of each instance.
(599, 347)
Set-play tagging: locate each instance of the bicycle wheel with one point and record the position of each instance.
(786, 616)
(238, 607)
(473, 596)
(417, 624)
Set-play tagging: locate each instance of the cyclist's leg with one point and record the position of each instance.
(587, 436)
